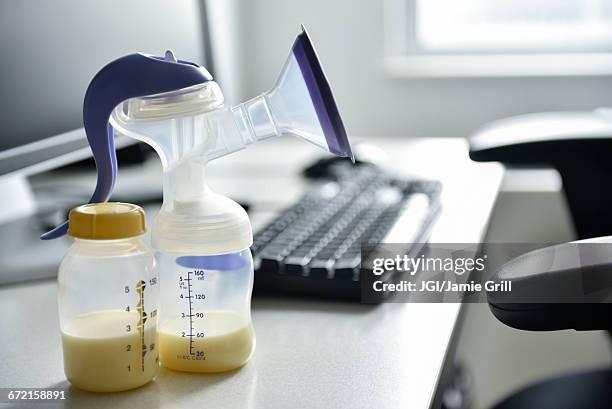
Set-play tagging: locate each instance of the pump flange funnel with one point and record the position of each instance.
(303, 77)
(300, 103)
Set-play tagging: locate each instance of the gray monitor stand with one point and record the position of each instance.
(23, 256)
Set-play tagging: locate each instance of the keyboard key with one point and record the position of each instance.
(321, 268)
(272, 265)
(294, 265)
(348, 268)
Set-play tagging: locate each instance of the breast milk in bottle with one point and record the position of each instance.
(108, 296)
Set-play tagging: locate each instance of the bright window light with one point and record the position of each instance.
(506, 26)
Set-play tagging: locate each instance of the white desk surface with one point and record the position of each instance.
(309, 354)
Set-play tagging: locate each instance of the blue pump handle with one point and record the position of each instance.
(131, 76)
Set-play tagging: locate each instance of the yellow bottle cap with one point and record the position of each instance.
(106, 221)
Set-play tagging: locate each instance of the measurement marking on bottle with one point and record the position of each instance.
(190, 313)
(141, 348)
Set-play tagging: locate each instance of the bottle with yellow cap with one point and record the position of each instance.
(108, 296)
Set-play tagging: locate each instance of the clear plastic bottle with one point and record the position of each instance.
(108, 294)
(206, 274)
(206, 320)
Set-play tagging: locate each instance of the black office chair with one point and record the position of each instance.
(567, 286)
(574, 292)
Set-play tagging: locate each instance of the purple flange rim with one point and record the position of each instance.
(321, 95)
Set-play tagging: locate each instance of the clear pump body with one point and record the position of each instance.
(108, 295)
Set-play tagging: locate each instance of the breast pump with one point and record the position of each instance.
(202, 238)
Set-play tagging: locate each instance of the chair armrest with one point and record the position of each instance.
(577, 144)
(567, 286)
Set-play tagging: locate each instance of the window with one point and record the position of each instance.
(498, 37)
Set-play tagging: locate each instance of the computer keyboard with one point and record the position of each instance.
(314, 246)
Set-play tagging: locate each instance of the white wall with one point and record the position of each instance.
(348, 35)
(226, 29)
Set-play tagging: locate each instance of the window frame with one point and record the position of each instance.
(402, 61)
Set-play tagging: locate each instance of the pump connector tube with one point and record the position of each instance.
(254, 120)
